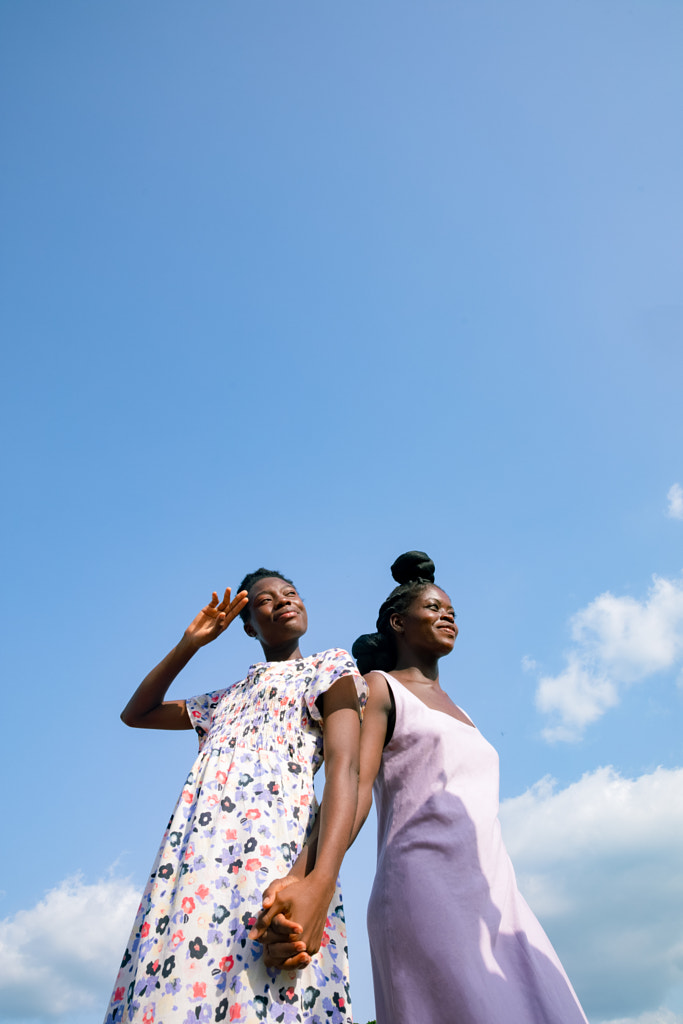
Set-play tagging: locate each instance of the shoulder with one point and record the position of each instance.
(379, 693)
(334, 657)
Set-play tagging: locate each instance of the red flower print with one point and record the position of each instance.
(222, 777)
(188, 904)
(212, 800)
(148, 1016)
(120, 993)
(187, 796)
(235, 1011)
(176, 939)
(253, 864)
(230, 833)
(199, 990)
(202, 892)
(144, 931)
(189, 853)
(264, 851)
(253, 814)
(226, 964)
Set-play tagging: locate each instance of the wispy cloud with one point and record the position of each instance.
(600, 864)
(675, 498)
(617, 641)
(660, 1016)
(60, 957)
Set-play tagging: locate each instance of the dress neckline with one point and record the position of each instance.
(286, 661)
(469, 724)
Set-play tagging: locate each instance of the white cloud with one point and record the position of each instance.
(60, 957)
(675, 499)
(600, 863)
(617, 641)
(661, 1016)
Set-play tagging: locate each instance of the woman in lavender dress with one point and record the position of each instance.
(452, 939)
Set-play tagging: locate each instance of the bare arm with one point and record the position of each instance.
(282, 940)
(147, 708)
(372, 740)
(306, 900)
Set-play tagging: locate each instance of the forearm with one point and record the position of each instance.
(336, 820)
(149, 696)
(305, 862)
(362, 810)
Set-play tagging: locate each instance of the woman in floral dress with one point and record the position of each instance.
(242, 819)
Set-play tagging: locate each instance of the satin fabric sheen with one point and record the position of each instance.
(452, 939)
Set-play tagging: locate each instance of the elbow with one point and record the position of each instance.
(128, 719)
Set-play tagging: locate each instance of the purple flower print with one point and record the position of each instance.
(289, 1015)
(245, 808)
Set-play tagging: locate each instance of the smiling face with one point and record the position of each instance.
(427, 626)
(277, 616)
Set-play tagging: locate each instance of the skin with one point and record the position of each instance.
(423, 634)
(278, 620)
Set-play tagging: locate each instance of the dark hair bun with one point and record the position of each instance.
(373, 651)
(413, 565)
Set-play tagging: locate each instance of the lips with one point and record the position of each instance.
(291, 613)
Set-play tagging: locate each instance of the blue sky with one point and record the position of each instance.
(307, 286)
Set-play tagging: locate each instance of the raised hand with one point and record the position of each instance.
(147, 708)
(215, 617)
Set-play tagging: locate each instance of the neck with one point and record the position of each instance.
(417, 668)
(289, 651)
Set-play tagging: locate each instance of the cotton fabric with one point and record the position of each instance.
(241, 820)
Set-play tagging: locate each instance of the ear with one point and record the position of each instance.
(249, 629)
(396, 623)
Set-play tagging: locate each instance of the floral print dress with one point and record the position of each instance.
(241, 820)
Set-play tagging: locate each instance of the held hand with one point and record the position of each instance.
(277, 925)
(215, 618)
(301, 904)
(281, 940)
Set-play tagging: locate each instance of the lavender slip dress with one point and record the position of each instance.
(452, 939)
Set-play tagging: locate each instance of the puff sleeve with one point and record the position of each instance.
(201, 711)
(327, 669)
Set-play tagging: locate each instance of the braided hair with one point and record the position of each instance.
(253, 577)
(413, 571)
